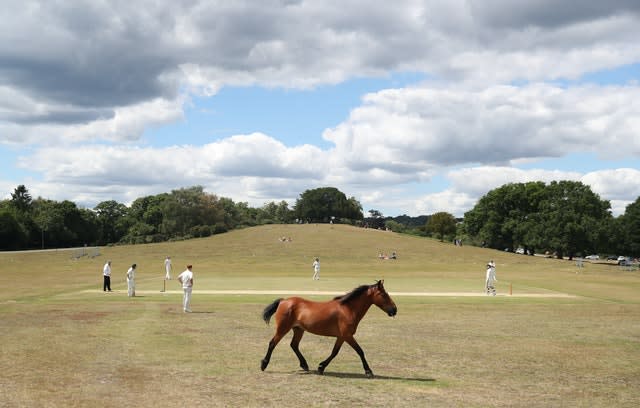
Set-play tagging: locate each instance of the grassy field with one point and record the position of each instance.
(66, 343)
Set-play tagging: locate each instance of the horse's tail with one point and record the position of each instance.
(270, 310)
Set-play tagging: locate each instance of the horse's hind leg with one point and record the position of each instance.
(334, 352)
(272, 344)
(295, 341)
(282, 328)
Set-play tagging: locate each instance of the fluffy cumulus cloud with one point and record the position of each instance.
(235, 165)
(78, 61)
(499, 124)
(81, 82)
(619, 186)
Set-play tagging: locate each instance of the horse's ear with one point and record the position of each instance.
(381, 283)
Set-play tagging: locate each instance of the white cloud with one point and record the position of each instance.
(396, 138)
(477, 181)
(80, 83)
(92, 63)
(123, 124)
(253, 166)
(413, 129)
(455, 203)
(620, 186)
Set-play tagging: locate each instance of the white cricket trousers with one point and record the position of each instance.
(186, 299)
(131, 287)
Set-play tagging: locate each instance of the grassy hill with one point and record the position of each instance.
(256, 258)
(66, 343)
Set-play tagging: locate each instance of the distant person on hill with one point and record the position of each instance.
(167, 268)
(106, 273)
(186, 279)
(490, 278)
(316, 269)
(131, 281)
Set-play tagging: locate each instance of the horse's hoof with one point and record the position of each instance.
(263, 364)
(369, 374)
(305, 368)
(320, 370)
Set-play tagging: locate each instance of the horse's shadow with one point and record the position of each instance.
(375, 377)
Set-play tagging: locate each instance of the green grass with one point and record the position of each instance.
(66, 343)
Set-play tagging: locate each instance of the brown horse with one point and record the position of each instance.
(336, 318)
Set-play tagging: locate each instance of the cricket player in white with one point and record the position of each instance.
(491, 278)
(186, 279)
(316, 269)
(167, 268)
(106, 273)
(131, 281)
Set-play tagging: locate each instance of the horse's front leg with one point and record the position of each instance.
(295, 341)
(353, 343)
(334, 352)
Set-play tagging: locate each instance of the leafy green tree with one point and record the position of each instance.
(144, 219)
(21, 199)
(565, 217)
(354, 210)
(267, 214)
(441, 224)
(89, 227)
(503, 217)
(375, 219)
(283, 213)
(63, 224)
(275, 213)
(112, 220)
(375, 213)
(628, 241)
(522, 201)
(21, 205)
(237, 215)
(395, 226)
(188, 211)
(231, 213)
(570, 219)
(148, 210)
(12, 234)
(141, 233)
(321, 204)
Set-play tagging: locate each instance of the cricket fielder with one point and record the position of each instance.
(491, 279)
(167, 268)
(131, 281)
(186, 279)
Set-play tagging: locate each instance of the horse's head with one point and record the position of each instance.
(382, 299)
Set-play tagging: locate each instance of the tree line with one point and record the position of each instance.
(564, 218)
(28, 223)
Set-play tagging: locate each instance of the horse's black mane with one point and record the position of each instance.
(353, 294)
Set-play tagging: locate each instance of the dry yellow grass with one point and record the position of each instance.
(66, 344)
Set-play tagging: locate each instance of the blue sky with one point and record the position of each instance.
(411, 107)
(294, 115)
